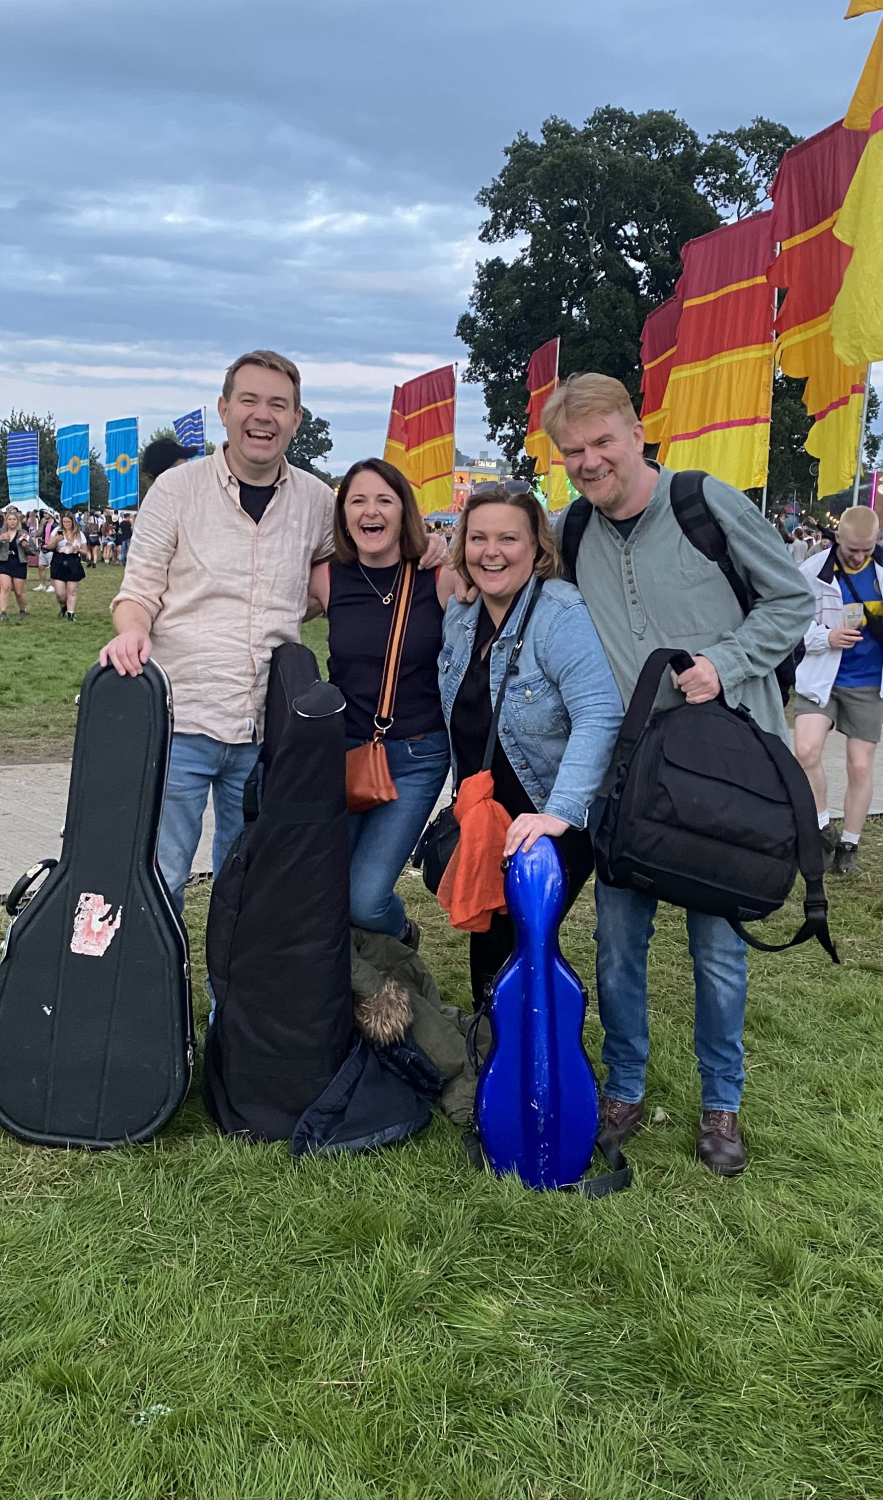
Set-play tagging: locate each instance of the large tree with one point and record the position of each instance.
(48, 481)
(311, 441)
(593, 219)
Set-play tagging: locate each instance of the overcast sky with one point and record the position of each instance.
(184, 181)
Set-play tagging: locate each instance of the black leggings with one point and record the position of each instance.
(489, 950)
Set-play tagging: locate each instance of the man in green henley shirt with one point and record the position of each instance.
(646, 586)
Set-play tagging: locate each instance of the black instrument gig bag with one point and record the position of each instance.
(96, 1031)
(710, 812)
(278, 937)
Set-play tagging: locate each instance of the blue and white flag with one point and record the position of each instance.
(190, 431)
(121, 462)
(73, 463)
(23, 467)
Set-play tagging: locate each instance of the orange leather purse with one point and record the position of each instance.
(368, 782)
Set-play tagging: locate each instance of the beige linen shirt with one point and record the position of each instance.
(222, 592)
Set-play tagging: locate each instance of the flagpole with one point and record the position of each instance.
(204, 434)
(861, 438)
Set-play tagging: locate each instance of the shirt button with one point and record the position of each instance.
(505, 729)
(523, 766)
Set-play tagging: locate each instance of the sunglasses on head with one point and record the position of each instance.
(511, 486)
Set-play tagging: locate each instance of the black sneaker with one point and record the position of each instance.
(845, 858)
(70, 617)
(62, 612)
(830, 840)
(411, 938)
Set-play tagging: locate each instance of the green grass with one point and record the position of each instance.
(43, 661)
(398, 1326)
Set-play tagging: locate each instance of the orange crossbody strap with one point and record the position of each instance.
(394, 647)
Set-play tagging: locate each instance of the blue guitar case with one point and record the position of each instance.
(96, 1031)
(537, 1099)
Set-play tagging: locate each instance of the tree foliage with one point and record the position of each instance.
(593, 219)
(49, 482)
(311, 441)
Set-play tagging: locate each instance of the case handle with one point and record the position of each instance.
(14, 899)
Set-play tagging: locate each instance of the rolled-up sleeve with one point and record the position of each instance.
(153, 544)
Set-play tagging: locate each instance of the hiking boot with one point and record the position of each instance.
(845, 857)
(719, 1144)
(618, 1120)
(830, 838)
(411, 938)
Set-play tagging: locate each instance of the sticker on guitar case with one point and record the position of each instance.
(93, 927)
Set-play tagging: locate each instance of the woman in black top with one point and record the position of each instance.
(13, 561)
(376, 526)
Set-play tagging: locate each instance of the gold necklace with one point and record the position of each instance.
(384, 598)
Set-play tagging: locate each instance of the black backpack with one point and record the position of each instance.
(704, 533)
(710, 812)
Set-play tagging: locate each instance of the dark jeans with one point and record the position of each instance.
(489, 950)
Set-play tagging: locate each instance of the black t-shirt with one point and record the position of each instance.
(125, 531)
(254, 498)
(358, 635)
(471, 723)
(626, 527)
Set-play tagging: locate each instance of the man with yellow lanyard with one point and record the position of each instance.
(840, 680)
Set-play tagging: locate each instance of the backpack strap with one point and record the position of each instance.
(703, 531)
(810, 854)
(576, 519)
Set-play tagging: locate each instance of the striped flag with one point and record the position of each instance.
(720, 387)
(23, 467)
(542, 380)
(659, 345)
(121, 462)
(427, 409)
(857, 318)
(395, 453)
(73, 463)
(190, 431)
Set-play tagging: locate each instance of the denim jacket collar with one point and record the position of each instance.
(512, 625)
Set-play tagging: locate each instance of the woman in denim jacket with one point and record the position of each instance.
(561, 709)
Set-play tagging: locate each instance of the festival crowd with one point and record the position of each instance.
(544, 728)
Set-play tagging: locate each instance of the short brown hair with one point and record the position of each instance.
(414, 540)
(268, 360)
(547, 563)
(586, 396)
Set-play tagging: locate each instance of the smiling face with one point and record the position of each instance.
(500, 551)
(604, 459)
(372, 513)
(261, 419)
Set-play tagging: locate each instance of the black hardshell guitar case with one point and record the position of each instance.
(96, 1029)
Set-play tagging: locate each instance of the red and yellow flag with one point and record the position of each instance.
(807, 195)
(542, 380)
(659, 342)
(426, 406)
(394, 452)
(721, 382)
(857, 320)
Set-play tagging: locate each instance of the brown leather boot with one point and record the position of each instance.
(618, 1121)
(719, 1144)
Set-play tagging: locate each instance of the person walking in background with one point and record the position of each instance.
(68, 547)
(94, 522)
(13, 562)
(799, 546)
(125, 538)
(560, 713)
(108, 544)
(218, 575)
(840, 679)
(378, 529)
(46, 526)
(646, 586)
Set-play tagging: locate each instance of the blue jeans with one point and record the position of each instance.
(381, 840)
(198, 762)
(720, 972)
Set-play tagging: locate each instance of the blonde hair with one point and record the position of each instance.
(547, 563)
(582, 396)
(858, 525)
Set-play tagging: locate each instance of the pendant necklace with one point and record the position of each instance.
(384, 598)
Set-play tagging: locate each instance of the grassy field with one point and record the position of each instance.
(198, 1318)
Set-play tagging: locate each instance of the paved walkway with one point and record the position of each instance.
(34, 802)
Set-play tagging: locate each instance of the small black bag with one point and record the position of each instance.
(710, 812)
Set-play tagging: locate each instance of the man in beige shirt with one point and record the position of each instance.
(217, 576)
